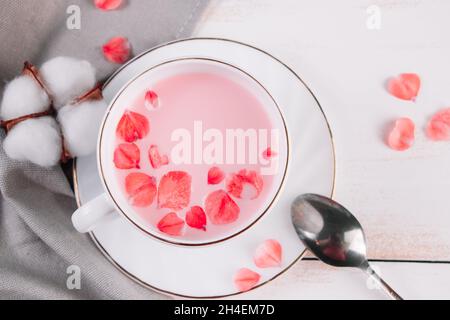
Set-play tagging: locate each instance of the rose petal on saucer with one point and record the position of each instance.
(246, 184)
(107, 5)
(401, 136)
(405, 86)
(117, 50)
(220, 208)
(245, 279)
(215, 175)
(174, 190)
(132, 126)
(141, 189)
(438, 128)
(127, 156)
(196, 218)
(171, 224)
(268, 254)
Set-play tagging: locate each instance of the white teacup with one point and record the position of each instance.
(114, 201)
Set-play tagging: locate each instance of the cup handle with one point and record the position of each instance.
(90, 214)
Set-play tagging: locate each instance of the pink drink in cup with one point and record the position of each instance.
(206, 132)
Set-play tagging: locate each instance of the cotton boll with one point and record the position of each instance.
(67, 78)
(80, 125)
(37, 140)
(23, 96)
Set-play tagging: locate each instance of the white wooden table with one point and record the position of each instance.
(402, 199)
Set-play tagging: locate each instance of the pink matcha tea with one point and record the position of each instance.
(180, 164)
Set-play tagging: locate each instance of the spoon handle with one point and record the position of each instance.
(386, 288)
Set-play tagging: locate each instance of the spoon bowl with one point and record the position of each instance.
(333, 234)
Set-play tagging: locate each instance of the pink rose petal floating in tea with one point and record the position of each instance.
(220, 208)
(196, 218)
(215, 175)
(268, 254)
(132, 126)
(107, 4)
(171, 224)
(127, 156)
(151, 100)
(401, 137)
(406, 86)
(269, 153)
(246, 184)
(174, 190)
(141, 189)
(245, 279)
(117, 50)
(157, 160)
(438, 127)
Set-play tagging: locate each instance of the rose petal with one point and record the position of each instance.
(151, 100)
(406, 86)
(157, 160)
(245, 279)
(269, 153)
(171, 224)
(196, 218)
(401, 137)
(132, 126)
(174, 190)
(127, 156)
(117, 50)
(107, 4)
(215, 175)
(438, 127)
(141, 189)
(246, 184)
(268, 254)
(220, 208)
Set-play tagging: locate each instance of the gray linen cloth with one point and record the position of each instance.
(37, 240)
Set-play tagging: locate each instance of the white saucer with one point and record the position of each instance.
(207, 272)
